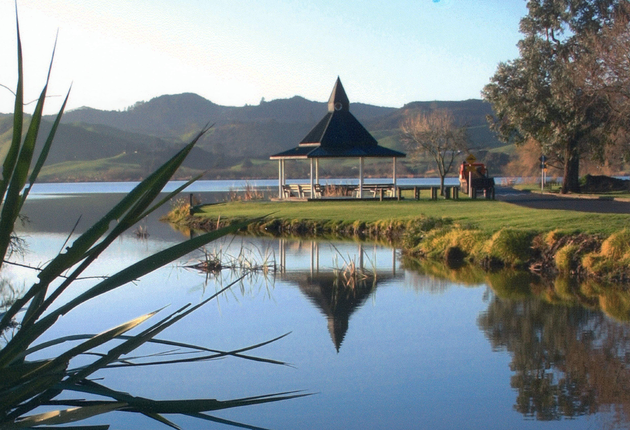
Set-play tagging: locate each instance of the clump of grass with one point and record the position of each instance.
(617, 246)
(248, 194)
(350, 275)
(332, 190)
(179, 213)
(552, 237)
(566, 258)
(613, 259)
(511, 246)
(417, 230)
(441, 242)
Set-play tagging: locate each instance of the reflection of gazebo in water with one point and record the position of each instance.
(336, 293)
(338, 135)
(336, 299)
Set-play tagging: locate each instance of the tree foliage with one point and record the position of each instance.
(536, 96)
(435, 134)
(605, 70)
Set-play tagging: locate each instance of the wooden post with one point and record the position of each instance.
(434, 193)
(416, 193)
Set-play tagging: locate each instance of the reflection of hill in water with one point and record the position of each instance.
(336, 296)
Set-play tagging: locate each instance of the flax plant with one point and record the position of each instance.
(30, 390)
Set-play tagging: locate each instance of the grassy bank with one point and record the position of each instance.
(487, 233)
(487, 216)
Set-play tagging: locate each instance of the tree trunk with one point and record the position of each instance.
(571, 180)
(442, 184)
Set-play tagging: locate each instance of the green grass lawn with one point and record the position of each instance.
(488, 216)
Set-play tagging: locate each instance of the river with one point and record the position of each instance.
(377, 344)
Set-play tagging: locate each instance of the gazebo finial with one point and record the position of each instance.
(338, 99)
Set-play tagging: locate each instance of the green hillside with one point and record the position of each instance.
(122, 145)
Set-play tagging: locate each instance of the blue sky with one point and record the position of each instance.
(235, 52)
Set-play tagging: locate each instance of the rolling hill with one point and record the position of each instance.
(129, 143)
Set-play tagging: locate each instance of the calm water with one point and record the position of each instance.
(210, 186)
(390, 349)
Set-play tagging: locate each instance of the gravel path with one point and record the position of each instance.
(550, 201)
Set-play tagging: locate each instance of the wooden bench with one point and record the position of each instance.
(380, 191)
(301, 191)
(450, 191)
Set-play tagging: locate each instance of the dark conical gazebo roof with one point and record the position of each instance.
(338, 134)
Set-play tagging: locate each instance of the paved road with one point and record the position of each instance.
(547, 201)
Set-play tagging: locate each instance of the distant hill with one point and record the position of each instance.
(176, 115)
(145, 134)
(78, 145)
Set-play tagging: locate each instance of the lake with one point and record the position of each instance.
(378, 344)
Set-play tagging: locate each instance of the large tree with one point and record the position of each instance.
(437, 135)
(536, 95)
(605, 69)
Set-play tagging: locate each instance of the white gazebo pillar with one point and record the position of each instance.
(312, 180)
(282, 181)
(360, 177)
(317, 171)
(280, 178)
(394, 176)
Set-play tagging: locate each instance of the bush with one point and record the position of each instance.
(566, 258)
(613, 260)
(512, 247)
(617, 246)
(437, 242)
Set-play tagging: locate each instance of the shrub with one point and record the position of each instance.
(437, 242)
(512, 247)
(566, 258)
(613, 260)
(617, 246)
(552, 237)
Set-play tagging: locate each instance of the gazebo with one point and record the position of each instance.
(338, 135)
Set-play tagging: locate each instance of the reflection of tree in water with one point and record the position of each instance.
(568, 361)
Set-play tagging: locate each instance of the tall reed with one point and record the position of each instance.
(27, 385)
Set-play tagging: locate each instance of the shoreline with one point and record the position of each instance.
(548, 254)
